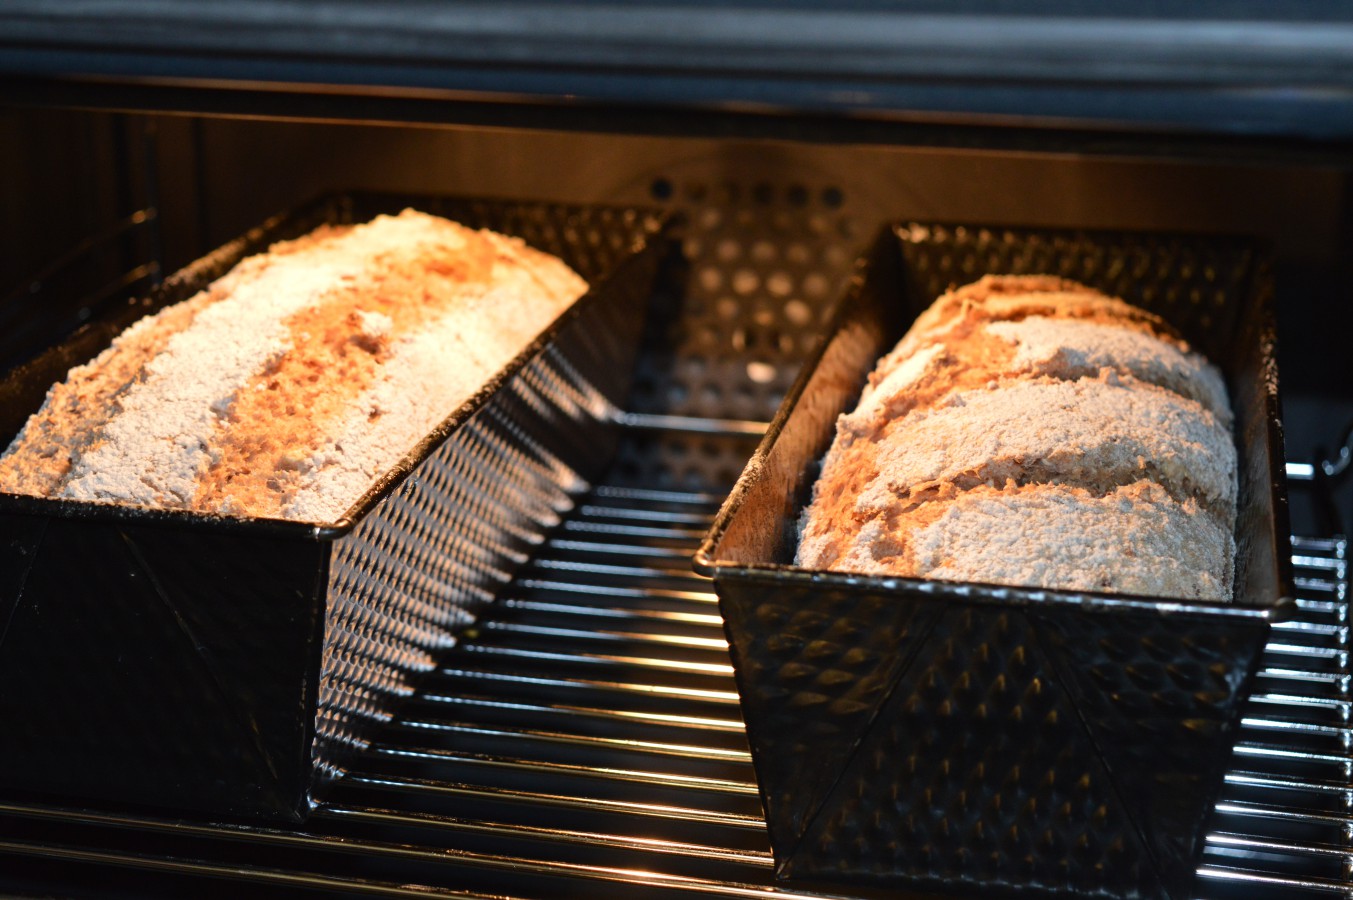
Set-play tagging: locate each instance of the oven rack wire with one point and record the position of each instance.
(586, 740)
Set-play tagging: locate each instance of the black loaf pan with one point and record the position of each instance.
(231, 666)
(973, 738)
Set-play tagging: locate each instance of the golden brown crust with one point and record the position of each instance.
(296, 380)
(1021, 381)
(77, 409)
(334, 357)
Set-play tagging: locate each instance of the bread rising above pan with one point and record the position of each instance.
(1031, 431)
(290, 385)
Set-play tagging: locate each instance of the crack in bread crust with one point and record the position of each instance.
(337, 348)
(1021, 474)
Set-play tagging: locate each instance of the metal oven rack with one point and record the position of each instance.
(586, 738)
(587, 741)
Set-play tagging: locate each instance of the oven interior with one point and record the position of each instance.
(588, 738)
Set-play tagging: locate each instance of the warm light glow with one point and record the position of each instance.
(761, 373)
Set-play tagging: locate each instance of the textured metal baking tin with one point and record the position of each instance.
(969, 737)
(233, 665)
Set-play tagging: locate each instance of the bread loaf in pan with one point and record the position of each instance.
(966, 732)
(232, 662)
(286, 387)
(1029, 430)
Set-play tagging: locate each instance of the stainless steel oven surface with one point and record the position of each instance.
(585, 737)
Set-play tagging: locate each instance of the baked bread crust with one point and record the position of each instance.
(288, 386)
(1029, 430)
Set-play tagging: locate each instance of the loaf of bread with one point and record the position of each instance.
(1030, 431)
(287, 387)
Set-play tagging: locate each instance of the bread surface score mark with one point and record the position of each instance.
(432, 370)
(1094, 433)
(261, 449)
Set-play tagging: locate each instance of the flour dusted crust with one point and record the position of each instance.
(1130, 540)
(287, 387)
(1029, 430)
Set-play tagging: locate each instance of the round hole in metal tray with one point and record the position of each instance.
(767, 261)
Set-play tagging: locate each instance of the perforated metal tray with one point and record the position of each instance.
(962, 737)
(233, 665)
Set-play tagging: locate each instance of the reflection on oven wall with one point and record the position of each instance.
(772, 227)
